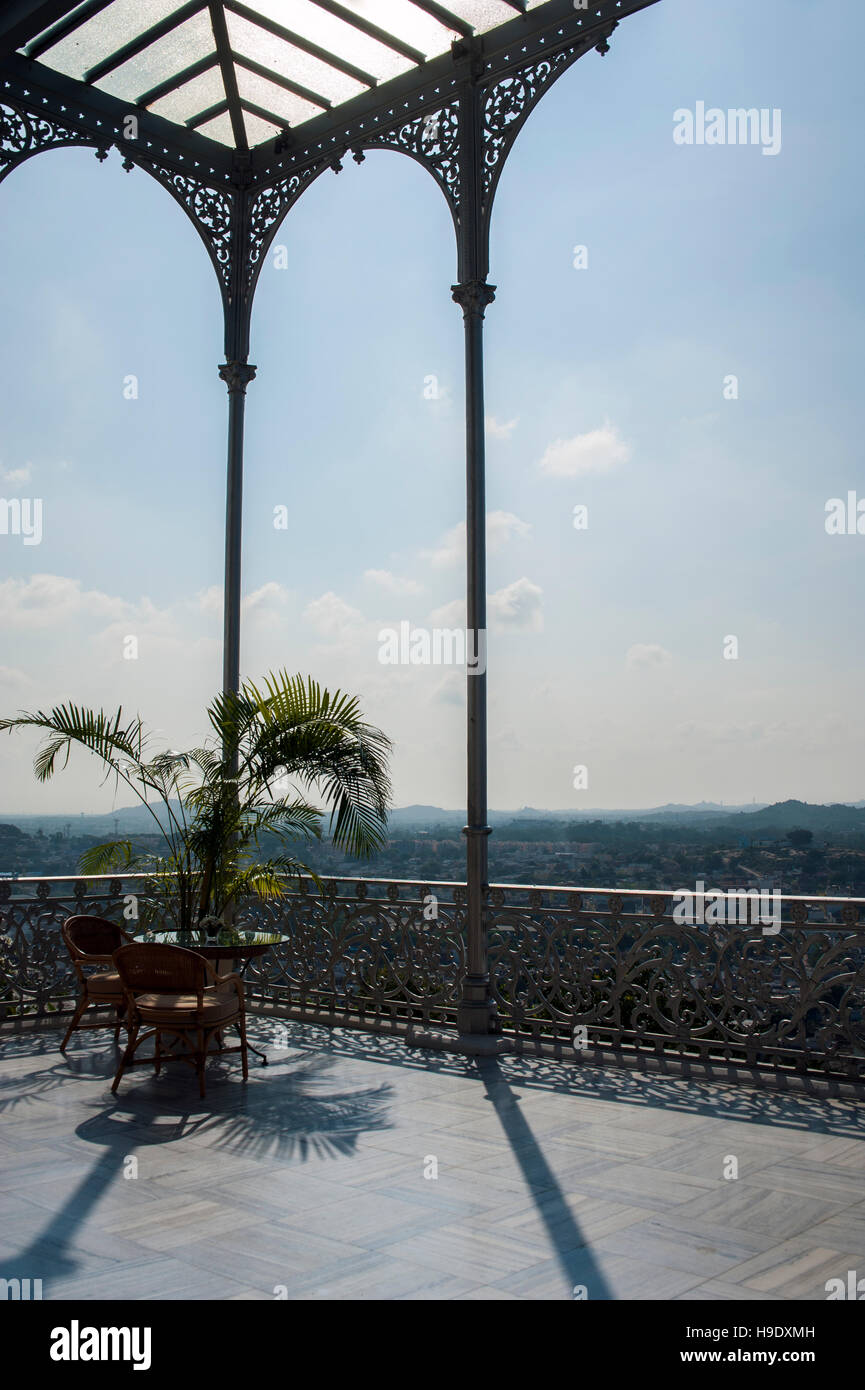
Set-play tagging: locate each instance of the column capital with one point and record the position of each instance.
(237, 376)
(473, 296)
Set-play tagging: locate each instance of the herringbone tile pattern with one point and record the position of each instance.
(355, 1168)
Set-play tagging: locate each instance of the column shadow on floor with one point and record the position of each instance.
(584, 1276)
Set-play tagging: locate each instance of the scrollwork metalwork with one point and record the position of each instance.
(620, 966)
(364, 950)
(267, 208)
(211, 210)
(23, 133)
(615, 963)
(433, 138)
(508, 103)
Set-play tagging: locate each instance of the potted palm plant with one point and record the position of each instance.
(272, 746)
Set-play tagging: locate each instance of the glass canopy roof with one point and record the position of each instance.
(244, 73)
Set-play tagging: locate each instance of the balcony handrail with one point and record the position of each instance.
(460, 883)
(611, 966)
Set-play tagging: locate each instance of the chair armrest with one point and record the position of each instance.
(233, 979)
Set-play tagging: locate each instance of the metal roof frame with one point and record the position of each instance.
(544, 30)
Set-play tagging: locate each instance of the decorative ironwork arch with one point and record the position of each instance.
(508, 103)
(211, 210)
(268, 207)
(432, 139)
(24, 134)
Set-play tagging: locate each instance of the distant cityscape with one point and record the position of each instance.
(792, 847)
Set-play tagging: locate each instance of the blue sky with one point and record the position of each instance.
(706, 515)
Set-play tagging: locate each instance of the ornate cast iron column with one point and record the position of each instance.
(237, 373)
(236, 376)
(476, 1013)
(476, 1010)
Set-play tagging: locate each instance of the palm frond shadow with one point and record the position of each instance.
(283, 1115)
(34, 1086)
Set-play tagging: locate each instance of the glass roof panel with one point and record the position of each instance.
(104, 34)
(290, 108)
(483, 15)
(279, 56)
(160, 60)
(258, 130)
(370, 60)
(199, 94)
(339, 38)
(406, 21)
(219, 129)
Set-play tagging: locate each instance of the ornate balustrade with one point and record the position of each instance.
(587, 969)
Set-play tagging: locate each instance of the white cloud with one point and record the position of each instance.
(331, 616)
(450, 614)
(210, 600)
(451, 549)
(598, 451)
(647, 654)
(502, 527)
(392, 583)
(49, 600)
(16, 476)
(499, 429)
(267, 596)
(518, 606)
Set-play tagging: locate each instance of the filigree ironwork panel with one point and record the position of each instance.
(620, 967)
(23, 134)
(267, 208)
(365, 949)
(508, 103)
(617, 965)
(211, 211)
(36, 976)
(433, 138)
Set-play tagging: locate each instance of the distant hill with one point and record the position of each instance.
(404, 817)
(125, 820)
(798, 815)
(753, 819)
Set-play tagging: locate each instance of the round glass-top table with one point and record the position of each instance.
(233, 945)
(231, 950)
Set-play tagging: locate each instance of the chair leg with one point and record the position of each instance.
(200, 1061)
(157, 1059)
(127, 1056)
(241, 1028)
(76, 1018)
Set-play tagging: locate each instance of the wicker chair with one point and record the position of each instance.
(172, 991)
(92, 941)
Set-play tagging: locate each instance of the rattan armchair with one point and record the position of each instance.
(170, 991)
(92, 941)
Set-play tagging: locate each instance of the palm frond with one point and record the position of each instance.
(102, 859)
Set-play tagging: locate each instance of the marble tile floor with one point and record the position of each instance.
(353, 1167)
